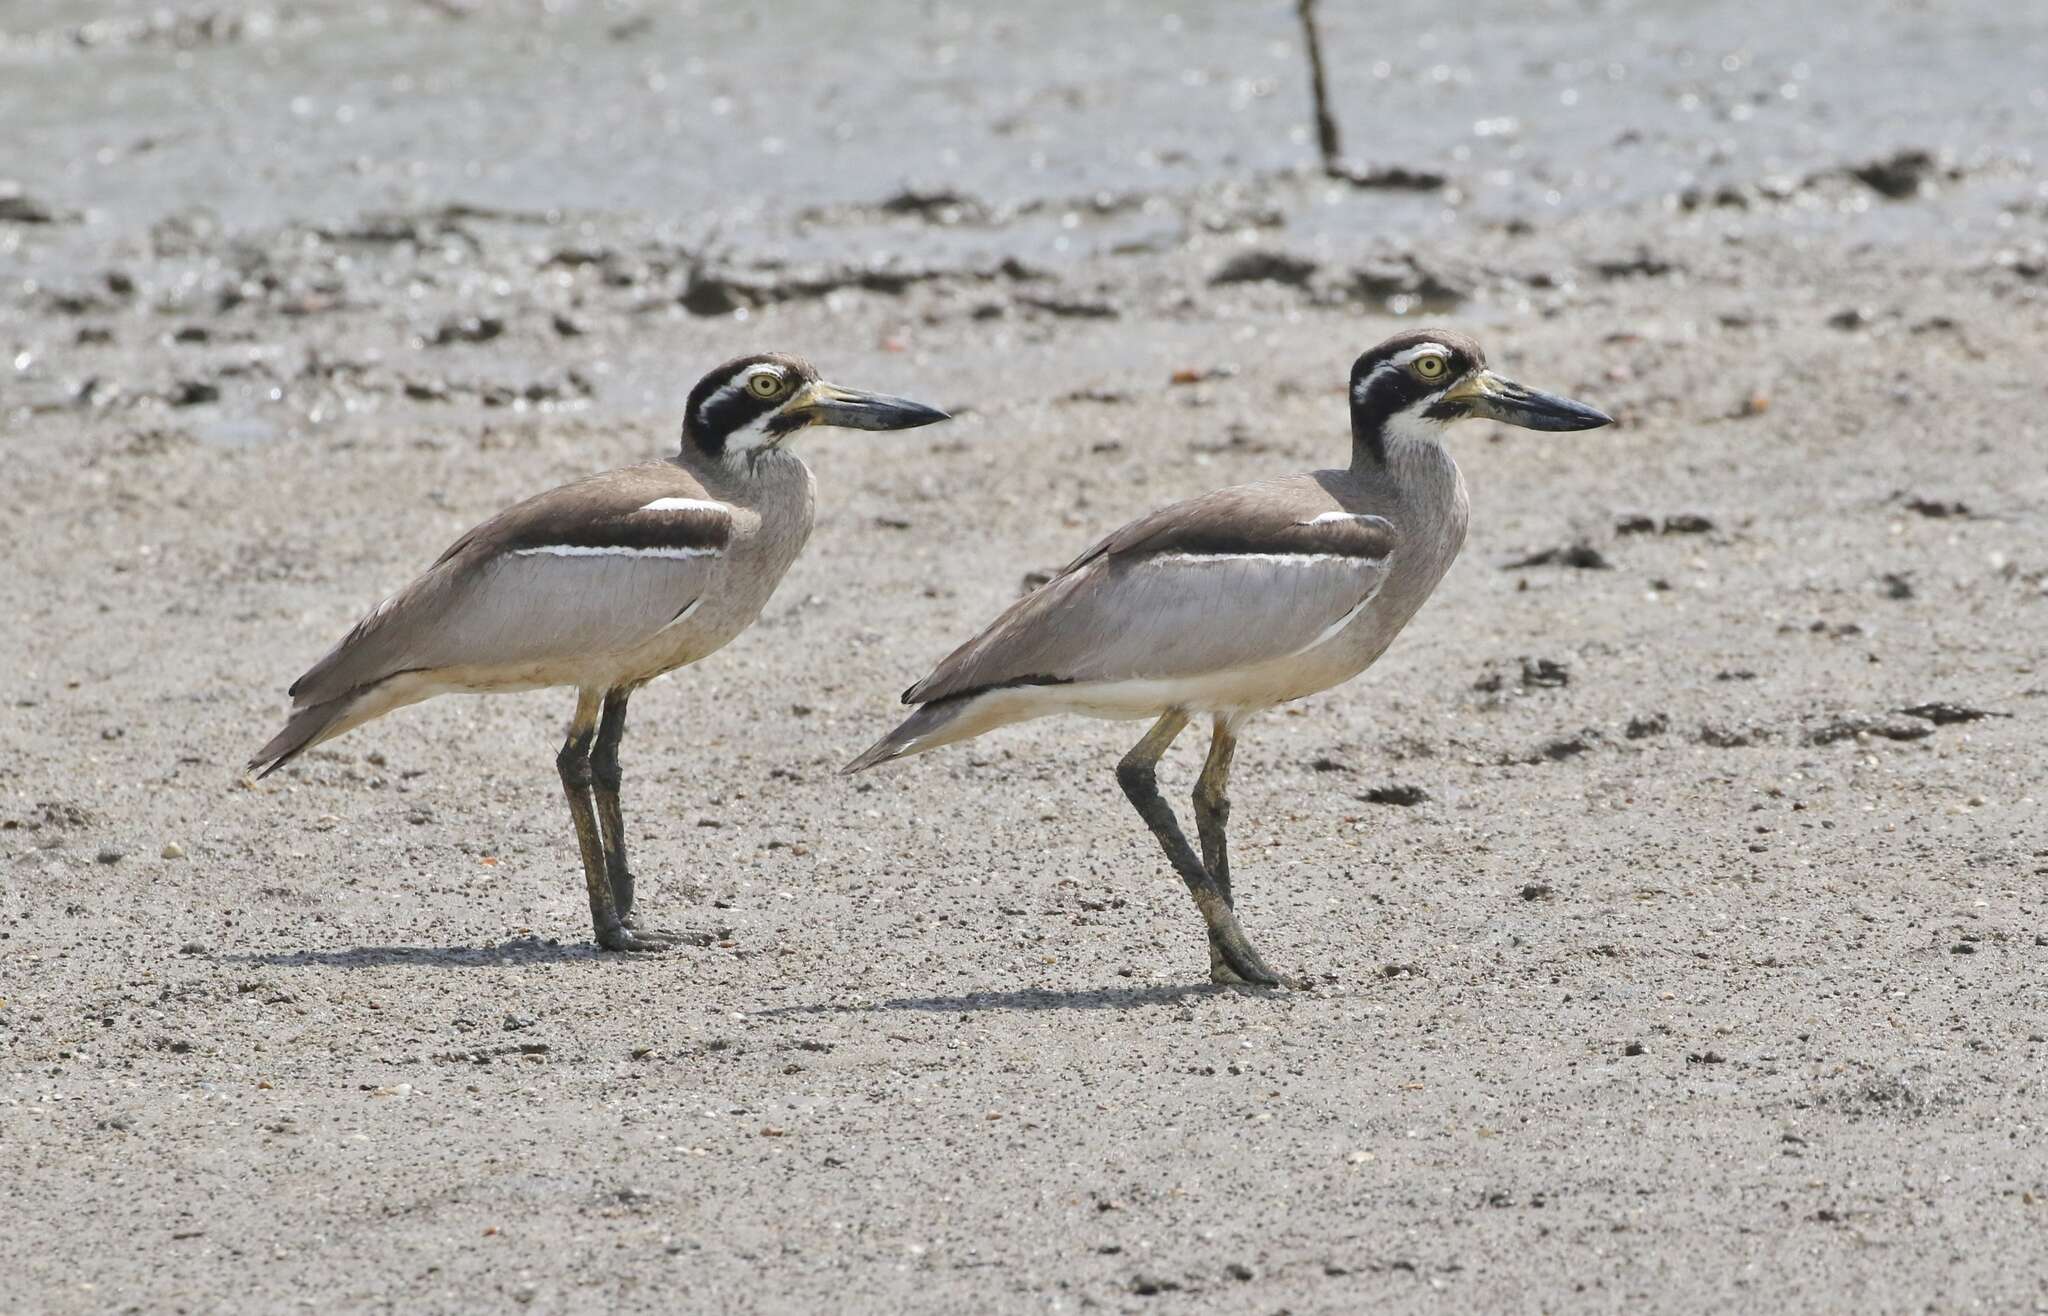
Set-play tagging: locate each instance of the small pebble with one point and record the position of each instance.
(172, 850)
(109, 855)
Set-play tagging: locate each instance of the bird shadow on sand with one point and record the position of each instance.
(518, 950)
(1028, 998)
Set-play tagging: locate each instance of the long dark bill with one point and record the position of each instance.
(828, 404)
(1494, 398)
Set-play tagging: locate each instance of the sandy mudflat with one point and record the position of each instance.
(1701, 977)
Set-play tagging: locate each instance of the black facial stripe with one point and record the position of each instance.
(1393, 391)
(1388, 392)
(718, 417)
(722, 404)
(1389, 389)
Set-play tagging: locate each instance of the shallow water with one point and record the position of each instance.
(703, 118)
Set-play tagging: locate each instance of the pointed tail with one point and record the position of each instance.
(935, 724)
(305, 728)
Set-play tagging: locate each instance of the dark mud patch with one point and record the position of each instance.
(1390, 178)
(1067, 308)
(1527, 674)
(18, 207)
(1266, 267)
(1937, 509)
(706, 292)
(1722, 737)
(1405, 286)
(1679, 523)
(1638, 264)
(1839, 729)
(1943, 713)
(1580, 556)
(1900, 176)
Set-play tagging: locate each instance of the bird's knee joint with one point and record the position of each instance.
(605, 772)
(1137, 778)
(574, 764)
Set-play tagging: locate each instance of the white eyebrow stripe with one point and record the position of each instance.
(685, 505)
(614, 550)
(1395, 364)
(739, 384)
(1407, 358)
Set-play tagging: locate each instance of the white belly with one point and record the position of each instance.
(1233, 694)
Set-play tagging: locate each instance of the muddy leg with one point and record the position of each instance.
(1212, 815)
(577, 778)
(605, 781)
(1240, 962)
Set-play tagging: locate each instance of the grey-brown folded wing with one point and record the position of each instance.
(1216, 583)
(595, 566)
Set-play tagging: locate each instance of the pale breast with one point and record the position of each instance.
(772, 514)
(1432, 511)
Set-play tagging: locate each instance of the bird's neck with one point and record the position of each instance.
(1411, 466)
(1380, 442)
(744, 476)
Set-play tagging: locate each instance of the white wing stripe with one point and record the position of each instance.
(1293, 559)
(1327, 517)
(1330, 631)
(685, 505)
(684, 615)
(614, 550)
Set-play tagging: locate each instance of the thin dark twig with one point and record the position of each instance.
(1326, 123)
(1394, 178)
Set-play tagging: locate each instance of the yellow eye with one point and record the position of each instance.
(764, 384)
(1431, 366)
